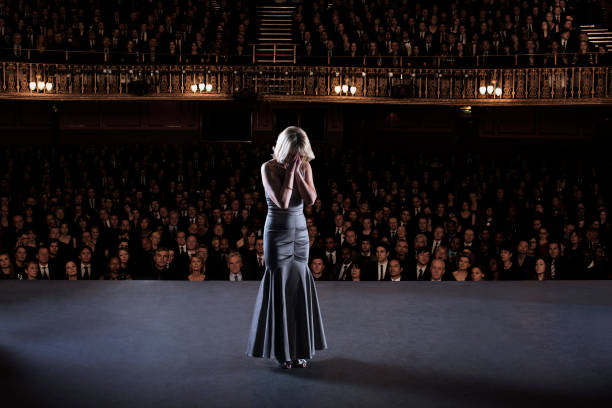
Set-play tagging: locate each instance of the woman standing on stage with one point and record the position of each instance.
(287, 323)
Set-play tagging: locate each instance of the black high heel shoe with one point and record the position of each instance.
(302, 363)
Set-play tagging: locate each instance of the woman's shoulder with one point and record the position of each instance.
(272, 166)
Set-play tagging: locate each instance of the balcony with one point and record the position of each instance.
(318, 83)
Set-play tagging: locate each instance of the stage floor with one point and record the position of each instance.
(416, 344)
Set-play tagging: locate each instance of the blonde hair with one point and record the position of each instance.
(292, 139)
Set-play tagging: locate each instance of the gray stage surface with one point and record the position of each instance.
(417, 344)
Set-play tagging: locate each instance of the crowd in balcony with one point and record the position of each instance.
(449, 34)
(127, 32)
(196, 212)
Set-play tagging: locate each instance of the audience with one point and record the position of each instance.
(446, 35)
(450, 34)
(115, 32)
(197, 212)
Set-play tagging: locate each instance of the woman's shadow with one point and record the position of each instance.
(443, 387)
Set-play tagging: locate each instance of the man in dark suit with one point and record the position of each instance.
(236, 270)
(337, 232)
(259, 267)
(91, 204)
(181, 256)
(159, 270)
(343, 271)
(396, 271)
(379, 270)
(87, 270)
(46, 269)
(558, 266)
(331, 254)
(419, 270)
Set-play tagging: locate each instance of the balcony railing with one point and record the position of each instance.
(573, 84)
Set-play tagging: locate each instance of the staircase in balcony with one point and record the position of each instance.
(598, 36)
(274, 34)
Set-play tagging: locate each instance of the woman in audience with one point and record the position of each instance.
(356, 272)
(67, 242)
(31, 270)
(462, 273)
(541, 269)
(72, 272)
(21, 257)
(197, 269)
(125, 263)
(477, 274)
(7, 271)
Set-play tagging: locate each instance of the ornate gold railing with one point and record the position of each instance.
(546, 85)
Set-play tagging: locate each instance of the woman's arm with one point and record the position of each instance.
(278, 191)
(305, 184)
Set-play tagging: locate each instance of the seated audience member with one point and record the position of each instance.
(259, 267)
(379, 270)
(114, 271)
(420, 269)
(31, 270)
(462, 273)
(159, 270)
(356, 272)
(366, 254)
(508, 270)
(21, 256)
(541, 270)
(522, 261)
(47, 271)
(125, 264)
(343, 270)
(396, 271)
(317, 268)
(197, 269)
(477, 273)
(235, 266)
(6, 268)
(437, 270)
(72, 272)
(87, 270)
(556, 261)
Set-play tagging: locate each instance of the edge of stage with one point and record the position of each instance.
(147, 343)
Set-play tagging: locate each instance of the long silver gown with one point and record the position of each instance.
(286, 323)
